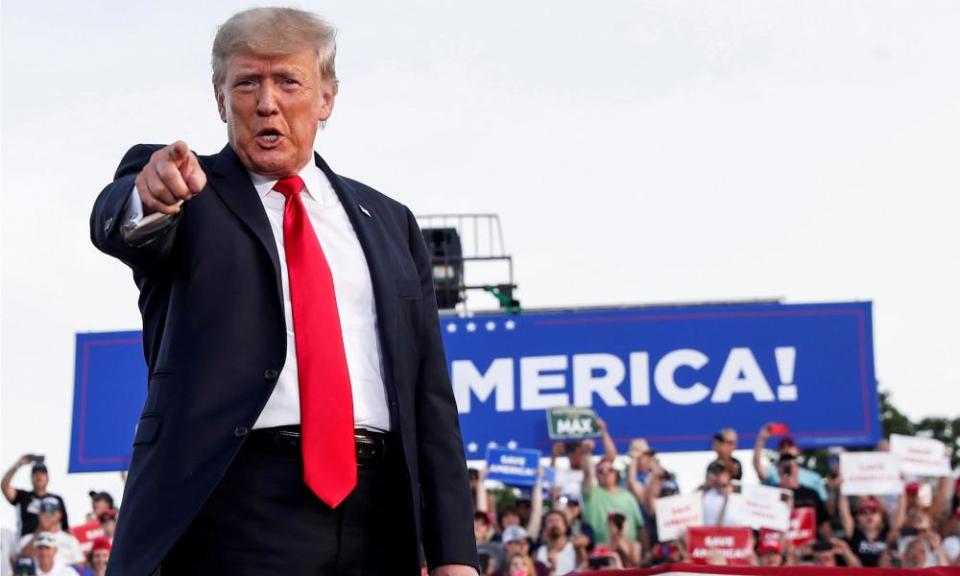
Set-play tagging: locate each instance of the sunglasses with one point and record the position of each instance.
(604, 470)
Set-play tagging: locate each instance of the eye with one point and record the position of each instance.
(289, 82)
(245, 85)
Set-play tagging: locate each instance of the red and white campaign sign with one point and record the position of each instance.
(707, 544)
(920, 456)
(676, 513)
(758, 507)
(803, 526)
(85, 534)
(870, 473)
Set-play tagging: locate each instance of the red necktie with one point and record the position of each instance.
(326, 399)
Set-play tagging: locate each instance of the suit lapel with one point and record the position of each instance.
(232, 183)
(376, 248)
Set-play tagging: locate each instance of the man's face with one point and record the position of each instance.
(517, 547)
(719, 479)
(99, 558)
(869, 518)
(48, 521)
(273, 106)
(100, 506)
(45, 556)
(39, 480)
(824, 558)
(724, 445)
(606, 475)
(788, 474)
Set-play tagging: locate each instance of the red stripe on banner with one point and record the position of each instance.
(682, 569)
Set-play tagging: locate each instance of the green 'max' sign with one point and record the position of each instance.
(570, 423)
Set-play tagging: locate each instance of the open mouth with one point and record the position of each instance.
(268, 137)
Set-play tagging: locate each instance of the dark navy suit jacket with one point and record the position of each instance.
(215, 341)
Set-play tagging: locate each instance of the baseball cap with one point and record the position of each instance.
(94, 495)
(868, 505)
(913, 488)
(514, 534)
(49, 505)
(45, 539)
(786, 442)
(101, 543)
(770, 541)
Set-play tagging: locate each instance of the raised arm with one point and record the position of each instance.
(536, 507)
(609, 447)
(151, 179)
(759, 464)
(8, 490)
(639, 490)
(846, 518)
(587, 464)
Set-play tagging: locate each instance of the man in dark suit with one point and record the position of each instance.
(299, 417)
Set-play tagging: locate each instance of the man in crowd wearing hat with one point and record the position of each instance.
(28, 502)
(516, 540)
(606, 497)
(100, 502)
(47, 553)
(49, 526)
(867, 534)
(767, 472)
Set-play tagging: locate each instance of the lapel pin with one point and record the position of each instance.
(365, 211)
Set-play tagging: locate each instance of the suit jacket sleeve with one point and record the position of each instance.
(447, 506)
(107, 217)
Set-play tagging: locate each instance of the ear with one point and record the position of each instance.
(328, 95)
(221, 105)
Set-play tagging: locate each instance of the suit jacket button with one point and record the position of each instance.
(271, 374)
(240, 431)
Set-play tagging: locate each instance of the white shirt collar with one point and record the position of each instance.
(313, 180)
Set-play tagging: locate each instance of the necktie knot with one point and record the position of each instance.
(289, 186)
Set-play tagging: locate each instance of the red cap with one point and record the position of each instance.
(770, 541)
(100, 543)
(913, 488)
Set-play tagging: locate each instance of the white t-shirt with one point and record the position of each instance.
(951, 546)
(68, 549)
(566, 559)
(713, 501)
(58, 569)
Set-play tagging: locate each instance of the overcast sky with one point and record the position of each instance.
(636, 151)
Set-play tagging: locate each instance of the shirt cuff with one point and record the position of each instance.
(134, 212)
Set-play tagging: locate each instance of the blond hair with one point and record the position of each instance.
(272, 32)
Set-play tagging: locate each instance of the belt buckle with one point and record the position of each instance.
(370, 448)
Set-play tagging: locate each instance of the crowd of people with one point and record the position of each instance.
(46, 545)
(598, 513)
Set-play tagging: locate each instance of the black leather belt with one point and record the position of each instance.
(373, 448)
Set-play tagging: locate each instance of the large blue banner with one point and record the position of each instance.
(674, 375)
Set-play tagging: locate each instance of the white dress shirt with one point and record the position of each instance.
(355, 302)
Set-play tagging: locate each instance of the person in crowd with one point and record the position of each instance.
(512, 515)
(868, 535)
(803, 497)
(568, 479)
(581, 534)
(67, 548)
(46, 553)
(724, 443)
(557, 551)
(108, 523)
(918, 532)
(483, 531)
(606, 497)
(628, 550)
(100, 502)
(603, 558)
(924, 550)
(99, 556)
(770, 549)
(833, 552)
(516, 541)
(951, 544)
(660, 484)
(519, 564)
(769, 474)
(716, 488)
(28, 502)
